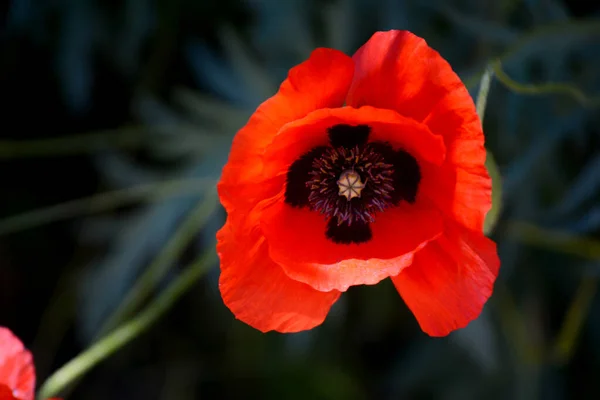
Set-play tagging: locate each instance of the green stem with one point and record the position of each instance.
(494, 213)
(484, 90)
(160, 265)
(587, 26)
(98, 352)
(544, 88)
(102, 202)
(491, 218)
(582, 27)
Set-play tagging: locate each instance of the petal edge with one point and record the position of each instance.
(450, 280)
(257, 291)
(322, 81)
(16, 366)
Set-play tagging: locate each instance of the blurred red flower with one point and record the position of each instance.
(17, 373)
(359, 168)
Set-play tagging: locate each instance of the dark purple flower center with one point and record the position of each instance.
(351, 181)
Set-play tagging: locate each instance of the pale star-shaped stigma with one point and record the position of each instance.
(350, 185)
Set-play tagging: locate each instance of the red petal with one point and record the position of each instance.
(450, 280)
(298, 243)
(296, 237)
(464, 189)
(16, 366)
(399, 71)
(6, 393)
(464, 195)
(300, 136)
(320, 82)
(259, 293)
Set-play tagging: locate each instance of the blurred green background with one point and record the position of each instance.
(117, 117)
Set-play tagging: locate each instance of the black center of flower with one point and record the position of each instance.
(352, 181)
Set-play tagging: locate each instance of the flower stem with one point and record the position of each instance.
(494, 213)
(484, 89)
(544, 88)
(121, 336)
(159, 267)
(545, 33)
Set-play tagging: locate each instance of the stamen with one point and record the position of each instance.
(350, 184)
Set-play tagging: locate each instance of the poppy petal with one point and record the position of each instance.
(6, 393)
(298, 243)
(259, 293)
(464, 195)
(322, 81)
(297, 237)
(464, 191)
(450, 280)
(299, 137)
(16, 366)
(399, 71)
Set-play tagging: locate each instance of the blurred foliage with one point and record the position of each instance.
(130, 107)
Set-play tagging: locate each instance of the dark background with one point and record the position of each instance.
(139, 92)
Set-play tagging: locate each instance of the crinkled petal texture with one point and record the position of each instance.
(451, 278)
(320, 82)
(252, 285)
(259, 293)
(296, 237)
(396, 70)
(17, 372)
(280, 272)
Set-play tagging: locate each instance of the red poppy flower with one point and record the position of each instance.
(17, 373)
(358, 169)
